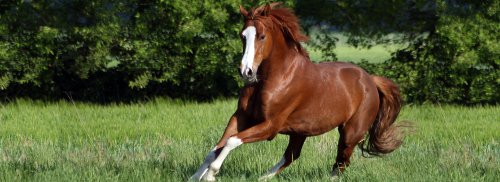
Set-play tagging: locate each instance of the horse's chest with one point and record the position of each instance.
(255, 105)
(255, 112)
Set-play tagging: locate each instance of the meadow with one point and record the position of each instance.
(347, 53)
(167, 140)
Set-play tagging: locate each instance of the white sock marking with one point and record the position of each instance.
(231, 144)
(204, 167)
(247, 61)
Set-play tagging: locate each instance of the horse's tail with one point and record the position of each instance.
(383, 136)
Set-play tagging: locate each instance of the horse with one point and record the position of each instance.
(286, 93)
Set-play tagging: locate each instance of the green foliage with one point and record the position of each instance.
(110, 50)
(457, 63)
(98, 49)
(453, 54)
(367, 22)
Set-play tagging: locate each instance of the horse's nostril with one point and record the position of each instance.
(249, 72)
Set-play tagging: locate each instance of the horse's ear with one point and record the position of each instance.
(243, 11)
(272, 5)
(267, 10)
(269, 7)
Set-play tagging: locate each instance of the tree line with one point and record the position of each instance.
(110, 50)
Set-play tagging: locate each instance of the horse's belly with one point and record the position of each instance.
(312, 125)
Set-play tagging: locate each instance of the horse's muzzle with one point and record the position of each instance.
(248, 74)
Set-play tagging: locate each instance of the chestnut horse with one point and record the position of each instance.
(286, 93)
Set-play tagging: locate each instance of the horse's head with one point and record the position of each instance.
(256, 38)
(263, 28)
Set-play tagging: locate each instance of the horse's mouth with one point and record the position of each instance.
(250, 79)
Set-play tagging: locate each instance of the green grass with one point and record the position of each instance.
(348, 53)
(165, 140)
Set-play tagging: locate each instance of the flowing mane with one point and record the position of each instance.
(285, 20)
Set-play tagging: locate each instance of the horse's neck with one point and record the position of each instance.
(285, 58)
(284, 63)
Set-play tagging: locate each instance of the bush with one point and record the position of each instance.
(101, 50)
(457, 63)
(114, 50)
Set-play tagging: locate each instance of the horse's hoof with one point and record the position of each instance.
(193, 179)
(335, 174)
(198, 176)
(266, 177)
(208, 178)
(210, 175)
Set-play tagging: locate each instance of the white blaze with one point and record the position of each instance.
(247, 61)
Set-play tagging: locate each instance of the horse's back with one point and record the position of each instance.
(344, 72)
(334, 66)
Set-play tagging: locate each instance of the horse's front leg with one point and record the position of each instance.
(262, 131)
(236, 123)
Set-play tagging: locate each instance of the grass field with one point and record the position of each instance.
(164, 140)
(346, 52)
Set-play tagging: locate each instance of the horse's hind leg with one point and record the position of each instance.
(292, 153)
(351, 133)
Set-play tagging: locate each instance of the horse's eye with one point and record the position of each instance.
(262, 37)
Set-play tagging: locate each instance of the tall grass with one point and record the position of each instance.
(165, 140)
